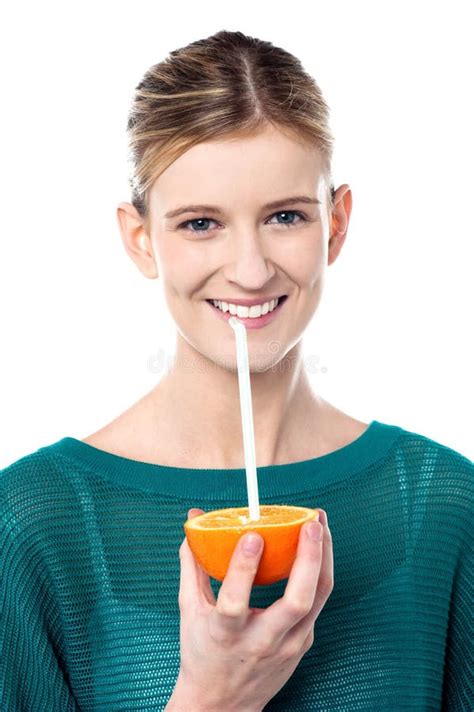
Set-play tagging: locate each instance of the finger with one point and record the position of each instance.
(203, 578)
(232, 607)
(300, 590)
(326, 576)
(194, 581)
(305, 627)
(194, 512)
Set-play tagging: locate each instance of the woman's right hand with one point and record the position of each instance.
(237, 658)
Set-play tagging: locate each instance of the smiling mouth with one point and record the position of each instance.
(281, 299)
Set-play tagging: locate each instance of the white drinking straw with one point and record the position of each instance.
(246, 415)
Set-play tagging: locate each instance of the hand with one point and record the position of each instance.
(237, 658)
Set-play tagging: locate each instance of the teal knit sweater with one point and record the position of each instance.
(90, 576)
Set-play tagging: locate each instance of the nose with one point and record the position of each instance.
(249, 267)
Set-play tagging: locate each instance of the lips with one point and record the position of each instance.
(251, 323)
(246, 302)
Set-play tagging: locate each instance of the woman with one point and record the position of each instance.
(233, 204)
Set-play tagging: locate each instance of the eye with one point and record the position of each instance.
(205, 231)
(184, 225)
(291, 212)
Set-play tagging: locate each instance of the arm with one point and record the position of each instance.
(458, 683)
(182, 700)
(31, 671)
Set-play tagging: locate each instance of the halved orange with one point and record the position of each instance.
(212, 538)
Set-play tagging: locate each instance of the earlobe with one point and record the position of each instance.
(145, 259)
(150, 270)
(339, 222)
(335, 244)
(136, 240)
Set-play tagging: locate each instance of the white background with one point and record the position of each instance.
(82, 330)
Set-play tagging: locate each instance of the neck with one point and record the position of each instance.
(198, 402)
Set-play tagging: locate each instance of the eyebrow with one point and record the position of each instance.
(217, 211)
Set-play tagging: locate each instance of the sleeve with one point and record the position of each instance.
(458, 682)
(32, 676)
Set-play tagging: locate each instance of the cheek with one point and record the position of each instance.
(306, 265)
(182, 270)
(184, 266)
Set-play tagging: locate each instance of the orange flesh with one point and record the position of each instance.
(270, 515)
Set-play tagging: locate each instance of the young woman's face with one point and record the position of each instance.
(245, 250)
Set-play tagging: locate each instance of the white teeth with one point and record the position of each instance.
(247, 312)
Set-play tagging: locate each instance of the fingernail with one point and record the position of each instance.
(323, 517)
(315, 531)
(251, 544)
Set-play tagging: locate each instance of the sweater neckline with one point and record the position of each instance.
(208, 484)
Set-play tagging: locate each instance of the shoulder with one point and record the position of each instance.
(34, 490)
(438, 479)
(46, 465)
(435, 457)
(24, 471)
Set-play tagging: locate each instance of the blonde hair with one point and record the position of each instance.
(227, 85)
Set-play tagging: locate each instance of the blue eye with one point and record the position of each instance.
(184, 225)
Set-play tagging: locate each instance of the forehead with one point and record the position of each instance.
(256, 169)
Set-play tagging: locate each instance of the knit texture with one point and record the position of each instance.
(90, 571)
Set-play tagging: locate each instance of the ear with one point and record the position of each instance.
(341, 213)
(136, 240)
